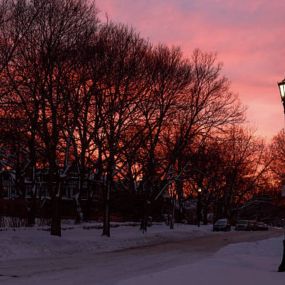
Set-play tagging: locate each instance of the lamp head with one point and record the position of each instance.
(281, 86)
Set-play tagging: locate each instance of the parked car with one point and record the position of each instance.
(246, 225)
(252, 224)
(260, 226)
(222, 225)
(242, 225)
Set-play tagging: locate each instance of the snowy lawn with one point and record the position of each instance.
(253, 263)
(22, 243)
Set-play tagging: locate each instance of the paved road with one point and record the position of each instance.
(107, 268)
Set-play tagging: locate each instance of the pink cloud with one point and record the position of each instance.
(247, 36)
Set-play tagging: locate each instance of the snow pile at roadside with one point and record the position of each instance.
(34, 242)
(243, 263)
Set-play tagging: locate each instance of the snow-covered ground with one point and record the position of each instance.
(186, 255)
(244, 263)
(19, 243)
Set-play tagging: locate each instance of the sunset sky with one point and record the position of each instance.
(247, 35)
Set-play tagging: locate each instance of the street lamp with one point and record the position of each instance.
(199, 207)
(281, 86)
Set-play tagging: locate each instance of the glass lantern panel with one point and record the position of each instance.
(282, 88)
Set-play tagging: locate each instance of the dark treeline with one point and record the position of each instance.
(76, 93)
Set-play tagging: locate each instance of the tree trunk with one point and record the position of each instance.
(87, 210)
(55, 186)
(205, 214)
(56, 217)
(33, 204)
(78, 209)
(179, 191)
(32, 212)
(107, 213)
(143, 226)
(172, 215)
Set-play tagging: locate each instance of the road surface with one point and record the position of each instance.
(110, 267)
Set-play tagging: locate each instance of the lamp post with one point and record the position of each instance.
(281, 86)
(199, 207)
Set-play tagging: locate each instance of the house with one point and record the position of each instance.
(70, 185)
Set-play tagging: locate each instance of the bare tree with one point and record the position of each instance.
(231, 169)
(204, 107)
(40, 78)
(167, 75)
(120, 55)
(277, 155)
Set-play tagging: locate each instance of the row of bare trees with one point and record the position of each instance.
(78, 92)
